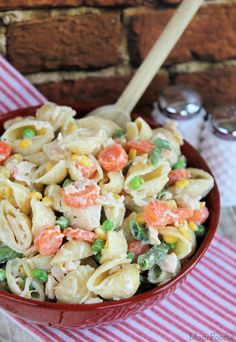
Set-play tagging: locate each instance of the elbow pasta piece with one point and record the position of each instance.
(72, 251)
(51, 173)
(42, 216)
(115, 279)
(84, 141)
(115, 247)
(17, 194)
(15, 227)
(73, 287)
(154, 178)
(75, 172)
(60, 117)
(87, 218)
(138, 130)
(53, 191)
(38, 158)
(13, 136)
(115, 183)
(198, 186)
(97, 125)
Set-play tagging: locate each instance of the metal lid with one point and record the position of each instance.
(180, 102)
(223, 120)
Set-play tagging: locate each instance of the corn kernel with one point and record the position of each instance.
(192, 225)
(132, 153)
(182, 183)
(47, 200)
(202, 205)
(49, 166)
(100, 234)
(70, 128)
(170, 239)
(74, 157)
(183, 231)
(25, 143)
(116, 196)
(140, 218)
(37, 195)
(171, 204)
(85, 161)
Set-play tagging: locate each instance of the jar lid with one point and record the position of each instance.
(180, 102)
(223, 120)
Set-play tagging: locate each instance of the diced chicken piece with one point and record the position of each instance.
(169, 263)
(86, 218)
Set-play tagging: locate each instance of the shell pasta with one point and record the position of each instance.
(92, 213)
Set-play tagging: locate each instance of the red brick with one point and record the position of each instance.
(100, 91)
(217, 85)
(86, 41)
(16, 4)
(210, 36)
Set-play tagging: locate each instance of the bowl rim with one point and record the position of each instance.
(149, 293)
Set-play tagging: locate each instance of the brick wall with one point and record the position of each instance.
(87, 50)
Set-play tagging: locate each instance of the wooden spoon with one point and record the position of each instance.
(120, 111)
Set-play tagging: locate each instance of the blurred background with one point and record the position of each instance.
(87, 50)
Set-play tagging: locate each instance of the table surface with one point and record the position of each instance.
(10, 332)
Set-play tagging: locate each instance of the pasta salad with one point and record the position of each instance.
(89, 212)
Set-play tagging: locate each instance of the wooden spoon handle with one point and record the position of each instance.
(158, 55)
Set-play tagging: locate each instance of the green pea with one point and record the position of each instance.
(135, 183)
(131, 256)
(67, 181)
(63, 222)
(2, 274)
(118, 134)
(40, 275)
(162, 144)
(180, 164)
(107, 225)
(200, 231)
(98, 246)
(6, 253)
(155, 156)
(28, 133)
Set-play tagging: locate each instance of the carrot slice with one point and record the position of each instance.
(5, 151)
(137, 247)
(79, 234)
(200, 215)
(49, 240)
(177, 175)
(141, 146)
(158, 214)
(80, 195)
(113, 158)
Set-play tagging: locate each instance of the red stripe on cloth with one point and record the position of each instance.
(226, 242)
(97, 332)
(227, 260)
(8, 94)
(17, 94)
(197, 314)
(5, 108)
(71, 335)
(112, 334)
(82, 334)
(25, 85)
(130, 327)
(52, 332)
(32, 328)
(176, 321)
(131, 334)
(217, 288)
(152, 324)
(210, 264)
(209, 303)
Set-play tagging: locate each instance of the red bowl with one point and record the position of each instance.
(88, 316)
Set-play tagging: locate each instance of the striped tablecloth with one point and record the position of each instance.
(203, 308)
